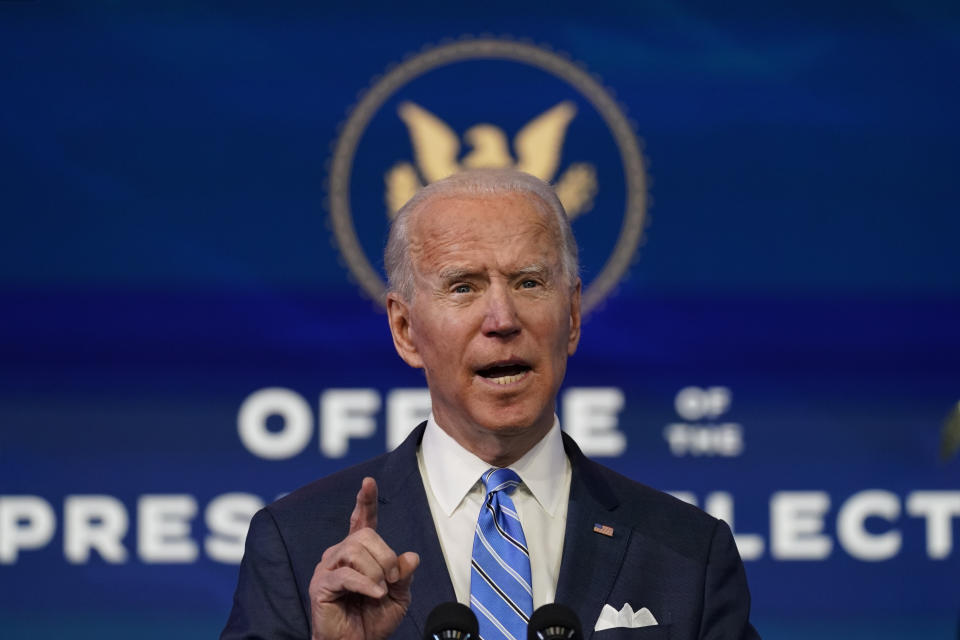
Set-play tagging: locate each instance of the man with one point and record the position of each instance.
(487, 502)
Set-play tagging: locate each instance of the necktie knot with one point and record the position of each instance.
(500, 480)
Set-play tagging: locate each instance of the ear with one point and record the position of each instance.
(398, 315)
(574, 338)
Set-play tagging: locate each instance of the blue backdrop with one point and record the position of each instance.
(783, 348)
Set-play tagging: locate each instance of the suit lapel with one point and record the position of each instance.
(406, 524)
(590, 560)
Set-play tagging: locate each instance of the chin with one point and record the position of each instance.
(513, 422)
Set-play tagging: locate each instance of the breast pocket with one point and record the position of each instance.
(652, 632)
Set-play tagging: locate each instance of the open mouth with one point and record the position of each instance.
(504, 373)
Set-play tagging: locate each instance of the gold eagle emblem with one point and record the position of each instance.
(538, 146)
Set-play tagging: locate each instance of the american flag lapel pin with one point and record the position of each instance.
(603, 529)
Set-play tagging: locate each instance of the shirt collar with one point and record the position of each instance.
(453, 471)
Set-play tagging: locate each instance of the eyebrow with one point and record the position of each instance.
(532, 269)
(455, 273)
(461, 273)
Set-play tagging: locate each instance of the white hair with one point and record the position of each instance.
(475, 183)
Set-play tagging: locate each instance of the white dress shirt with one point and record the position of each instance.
(451, 477)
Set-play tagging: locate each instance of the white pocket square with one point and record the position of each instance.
(610, 618)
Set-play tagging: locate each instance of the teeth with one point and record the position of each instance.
(507, 379)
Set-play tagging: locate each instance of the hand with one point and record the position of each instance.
(360, 589)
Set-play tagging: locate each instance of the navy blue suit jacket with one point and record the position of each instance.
(665, 555)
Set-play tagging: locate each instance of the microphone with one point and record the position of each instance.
(451, 621)
(554, 622)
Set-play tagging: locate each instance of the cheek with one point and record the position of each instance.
(559, 330)
(441, 344)
(451, 331)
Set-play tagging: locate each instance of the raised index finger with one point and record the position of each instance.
(365, 513)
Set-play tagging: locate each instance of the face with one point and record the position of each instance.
(492, 320)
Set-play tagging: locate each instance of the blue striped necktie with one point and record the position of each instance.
(500, 589)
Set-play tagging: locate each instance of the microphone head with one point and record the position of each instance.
(451, 621)
(554, 622)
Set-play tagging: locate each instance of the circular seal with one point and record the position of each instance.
(537, 146)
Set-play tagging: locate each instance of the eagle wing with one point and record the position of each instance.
(576, 188)
(435, 145)
(539, 143)
(402, 184)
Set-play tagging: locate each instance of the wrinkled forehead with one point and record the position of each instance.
(447, 217)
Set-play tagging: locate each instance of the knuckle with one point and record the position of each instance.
(319, 584)
(365, 536)
(332, 554)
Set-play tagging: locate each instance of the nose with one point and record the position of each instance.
(500, 313)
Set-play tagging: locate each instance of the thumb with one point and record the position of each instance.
(407, 563)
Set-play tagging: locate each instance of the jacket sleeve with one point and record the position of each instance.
(267, 602)
(726, 598)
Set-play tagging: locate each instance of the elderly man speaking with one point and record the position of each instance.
(487, 502)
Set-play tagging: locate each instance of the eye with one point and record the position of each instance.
(529, 284)
(462, 288)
